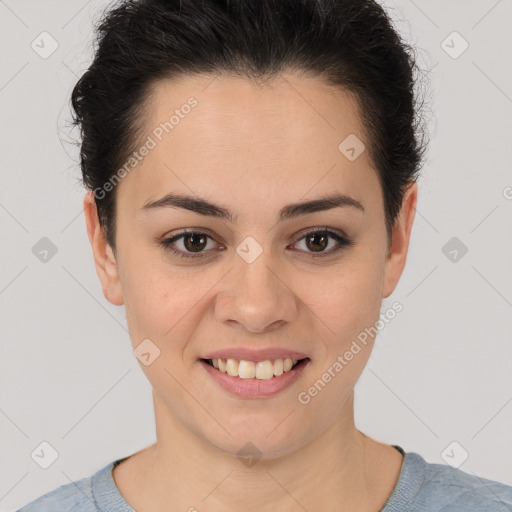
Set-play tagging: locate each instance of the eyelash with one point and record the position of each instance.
(342, 241)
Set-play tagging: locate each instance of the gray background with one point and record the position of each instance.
(440, 371)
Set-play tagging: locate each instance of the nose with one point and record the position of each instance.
(256, 296)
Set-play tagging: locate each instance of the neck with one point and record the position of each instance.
(336, 471)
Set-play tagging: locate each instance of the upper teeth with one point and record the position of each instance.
(249, 369)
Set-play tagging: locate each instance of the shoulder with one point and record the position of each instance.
(77, 496)
(439, 487)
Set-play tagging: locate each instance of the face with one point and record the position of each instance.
(253, 275)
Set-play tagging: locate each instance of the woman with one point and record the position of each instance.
(251, 171)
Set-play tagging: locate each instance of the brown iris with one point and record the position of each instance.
(321, 241)
(194, 239)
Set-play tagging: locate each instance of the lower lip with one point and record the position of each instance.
(254, 388)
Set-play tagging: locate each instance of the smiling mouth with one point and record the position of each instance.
(262, 370)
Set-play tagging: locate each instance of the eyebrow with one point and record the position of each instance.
(291, 211)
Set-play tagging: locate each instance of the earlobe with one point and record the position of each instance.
(401, 233)
(104, 258)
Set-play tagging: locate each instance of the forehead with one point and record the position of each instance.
(234, 112)
(243, 139)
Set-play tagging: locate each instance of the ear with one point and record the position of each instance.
(401, 232)
(104, 259)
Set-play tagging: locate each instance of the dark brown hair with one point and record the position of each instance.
(351, 44)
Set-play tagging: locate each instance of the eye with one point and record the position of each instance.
(195, 242)
(318, 240)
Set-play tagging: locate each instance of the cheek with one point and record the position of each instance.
(163, 306)
(347, 304)
(153, 306)
(348, 298)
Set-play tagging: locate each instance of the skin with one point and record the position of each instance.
(253, 149)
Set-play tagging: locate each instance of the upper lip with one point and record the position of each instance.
(251, 354)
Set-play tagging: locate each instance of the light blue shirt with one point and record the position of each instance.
(421, 487)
